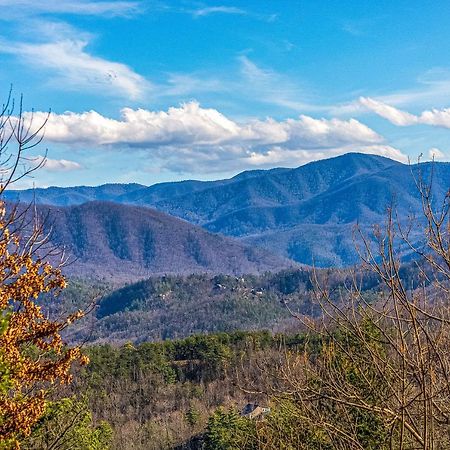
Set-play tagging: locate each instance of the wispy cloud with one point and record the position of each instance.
(182, 84)
(244, 83)
(62, 49)
(394, 115)
(431, 88)
(269, 86)
(436, 153)
(24, 8)
(72, 67)
(361, 26)
(194, 138)
(207, 11)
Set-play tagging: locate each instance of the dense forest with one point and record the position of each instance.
(163, 395)
(189, 394)
(161, 307)
(350, 368)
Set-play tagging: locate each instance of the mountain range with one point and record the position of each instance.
(305, 214)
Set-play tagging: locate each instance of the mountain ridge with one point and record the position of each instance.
(45, 195)
(314, 205)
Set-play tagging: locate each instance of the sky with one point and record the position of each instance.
(150, 91)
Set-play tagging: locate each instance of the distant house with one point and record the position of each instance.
(255, 292)
(254, 411)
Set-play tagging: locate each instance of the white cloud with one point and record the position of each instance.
(71, 66)
(56, 165)
(192, 138)
(192, 124)
(44, 43)
(218, 10)
(434, 117)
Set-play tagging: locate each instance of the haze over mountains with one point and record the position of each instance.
(305, 213)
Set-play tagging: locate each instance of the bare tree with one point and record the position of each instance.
(18, 134)
(375, 371)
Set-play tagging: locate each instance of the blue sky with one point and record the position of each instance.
(149, 91)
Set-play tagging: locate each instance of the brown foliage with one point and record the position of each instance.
(32, 353)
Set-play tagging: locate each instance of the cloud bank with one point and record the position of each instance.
(190, 137)
(192, 124)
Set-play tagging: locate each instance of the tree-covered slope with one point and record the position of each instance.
(128, 242)
(177, 306)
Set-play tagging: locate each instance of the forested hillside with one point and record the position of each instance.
(171, 307)
(123, 242)
(160, 395)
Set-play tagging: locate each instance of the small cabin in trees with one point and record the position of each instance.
(254, 411)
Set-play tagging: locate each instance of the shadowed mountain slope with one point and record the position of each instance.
(253, 188)
(110, 239)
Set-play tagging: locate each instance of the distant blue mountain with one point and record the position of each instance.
(70, 196)
(306, 213)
